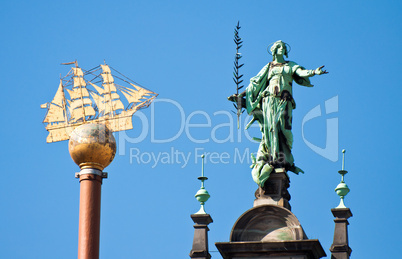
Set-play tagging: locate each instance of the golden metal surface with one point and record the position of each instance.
(98, 104)
(92, 145)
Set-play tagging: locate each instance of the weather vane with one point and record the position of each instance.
(94, 96)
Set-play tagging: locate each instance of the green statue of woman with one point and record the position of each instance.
(269, 99)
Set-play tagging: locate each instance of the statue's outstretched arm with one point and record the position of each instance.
(308, 73)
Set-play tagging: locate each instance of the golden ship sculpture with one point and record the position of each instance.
(94, 97)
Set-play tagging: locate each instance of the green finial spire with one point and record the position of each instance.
(202, 195)
(342, 189)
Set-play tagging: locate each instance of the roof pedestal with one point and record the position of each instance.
(340, 247)
(200, 241)
(275, 190)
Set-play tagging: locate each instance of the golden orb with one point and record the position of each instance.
(92, 145)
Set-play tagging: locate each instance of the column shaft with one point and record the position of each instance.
(89, 218)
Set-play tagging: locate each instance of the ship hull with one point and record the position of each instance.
(61, 131)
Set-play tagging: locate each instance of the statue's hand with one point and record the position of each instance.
(233, 98)
(319, 71)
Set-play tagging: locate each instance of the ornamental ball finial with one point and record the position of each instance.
(202, 195)
(92, 145)
(342, 189)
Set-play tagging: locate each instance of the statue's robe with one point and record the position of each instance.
(269, 100)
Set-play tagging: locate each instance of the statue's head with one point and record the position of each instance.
(277, 45)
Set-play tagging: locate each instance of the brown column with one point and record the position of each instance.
(200, 241)
(89, 219)
(340, 247)
(92, 147)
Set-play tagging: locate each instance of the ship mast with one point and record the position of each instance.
(108, 81)
(82, 98)
(63, 101)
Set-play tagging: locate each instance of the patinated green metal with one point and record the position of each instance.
(202, 195)
(236, 75)
(342, 189)
(269, 100)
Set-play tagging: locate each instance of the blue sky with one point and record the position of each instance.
(184, 51)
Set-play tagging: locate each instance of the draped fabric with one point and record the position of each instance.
(269, 100)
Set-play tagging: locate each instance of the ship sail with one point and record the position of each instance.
(79, 113)
(81, 104)
(56, 110)
(135, 96)
(112, 100)
(76, 93)
(94, 96)
(98, 99)
(100, 90)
